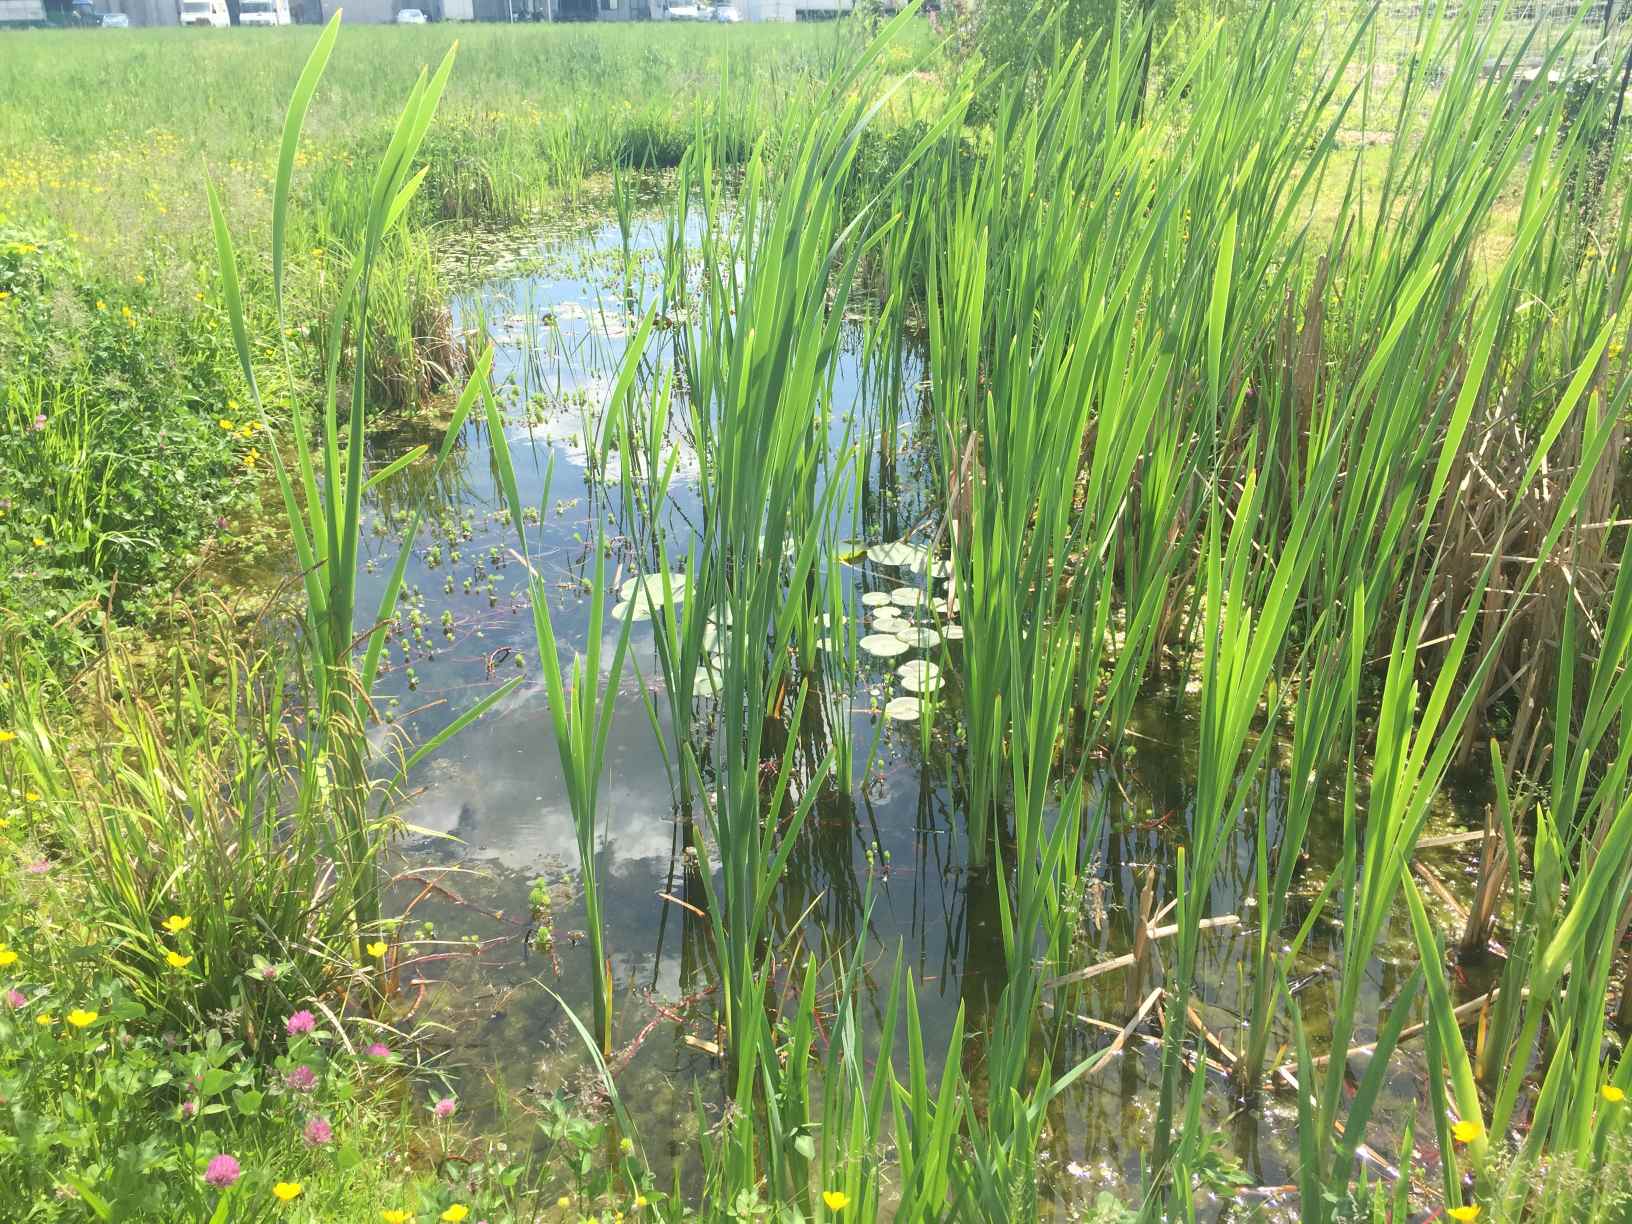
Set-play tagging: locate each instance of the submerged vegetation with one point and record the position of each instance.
(1264, 365)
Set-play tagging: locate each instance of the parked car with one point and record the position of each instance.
(411, 17)
(728, 13)
(205, 13)
(263, 12)
(115, 21)
(684, 12)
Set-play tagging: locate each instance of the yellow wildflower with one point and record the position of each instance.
(1467, 1130)
(456, 1213)
(7, 957)
(1612, 1094)
(44, 1019)
(100, 304)
(626, 1144)
(39, 541)
(640, 1201)
(287, 1191)
(176, 924)
(563, 1202)
(31, 796)
(395, 1215)
(140, 279)
(80, 1018)
(226, 424)
(836, 1200)
(177, 960)
(7, 736)
(376, 949)
(1470, 1212)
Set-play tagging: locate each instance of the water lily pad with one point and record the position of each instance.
(888, 619)
(918, 671)
(903, 709)
(884, 645)
(651, 585)
(900, 554)
(941, 569)
(876, 599)
(907, 597)
(920, 636)
(952, 633)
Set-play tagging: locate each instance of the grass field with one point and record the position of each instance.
(1264, 374)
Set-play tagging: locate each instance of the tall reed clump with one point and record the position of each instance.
(323, 495)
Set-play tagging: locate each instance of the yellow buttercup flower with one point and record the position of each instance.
(176, 924)
(177, 960)
(376, 949)
(626, 1144)
(100, 304)
(456, 1213)
(1467, 1131)
(7, 736)
(226, 424)
(287, 1191)
(39, 541)
(80, 1018)
(1470, 1212)
(836, 1200)
(1612, 1094)
(44, 1019)
(31, 796)
(395, 1215)
(640, 1201)
(7, 957)
(563, 1202)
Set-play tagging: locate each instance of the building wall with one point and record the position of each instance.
(371, 12)
(144, 12)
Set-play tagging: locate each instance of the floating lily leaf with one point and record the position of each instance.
(875, 599)
(919, 671)
(907, 597)
(918, 635)
(952, 633)
(652, 586)
(903, 709)
(900, 554)
(884, 645)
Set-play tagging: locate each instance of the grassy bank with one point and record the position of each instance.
(115, 362)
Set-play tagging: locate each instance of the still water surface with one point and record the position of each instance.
(561, 324)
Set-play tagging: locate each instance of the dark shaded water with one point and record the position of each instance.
(497, 788)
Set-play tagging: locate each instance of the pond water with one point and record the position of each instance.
(496, 796)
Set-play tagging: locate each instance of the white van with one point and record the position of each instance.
(263, 12)
(205, 13)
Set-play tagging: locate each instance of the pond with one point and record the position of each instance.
(490, 820)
